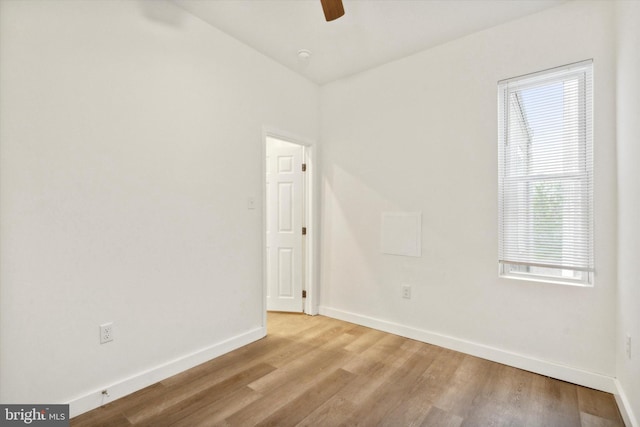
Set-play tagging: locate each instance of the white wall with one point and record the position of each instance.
(419, 134)
(628, 112)
(131, 139)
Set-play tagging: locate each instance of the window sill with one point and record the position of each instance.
(539, 279)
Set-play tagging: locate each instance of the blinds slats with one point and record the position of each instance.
(546, 169)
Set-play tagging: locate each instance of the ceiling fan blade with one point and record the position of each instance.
(333, 9)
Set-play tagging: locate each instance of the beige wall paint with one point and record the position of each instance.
(131, 139)
(628, 112)
(419, 134)
(128, 151)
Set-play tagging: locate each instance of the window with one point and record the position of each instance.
(545, 175)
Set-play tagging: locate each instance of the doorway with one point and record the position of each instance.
(288, 259)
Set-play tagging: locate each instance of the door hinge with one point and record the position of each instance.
(304, 294)
(304, 167)
(304, 231)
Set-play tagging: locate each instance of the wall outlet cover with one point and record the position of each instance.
(406, 291)
(106, 332)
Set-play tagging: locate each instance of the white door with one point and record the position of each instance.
(284, 208)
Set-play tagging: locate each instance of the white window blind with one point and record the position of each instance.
(546, 175)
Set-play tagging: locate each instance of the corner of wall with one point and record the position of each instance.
(627, 15)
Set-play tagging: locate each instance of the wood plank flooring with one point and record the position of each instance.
(318, 371)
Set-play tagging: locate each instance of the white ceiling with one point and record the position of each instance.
(370, 33)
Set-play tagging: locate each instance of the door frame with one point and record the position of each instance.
(310, 217)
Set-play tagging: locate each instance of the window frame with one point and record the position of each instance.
(583, 275)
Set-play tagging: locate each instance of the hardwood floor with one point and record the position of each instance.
(317, 371)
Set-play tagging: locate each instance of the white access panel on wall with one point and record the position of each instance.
(401, 233)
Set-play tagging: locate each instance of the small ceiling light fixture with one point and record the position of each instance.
(304, 55)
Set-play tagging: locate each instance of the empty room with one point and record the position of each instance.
(320, 212)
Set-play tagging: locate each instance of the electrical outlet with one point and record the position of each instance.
(406, 291)
(628, 346)
(106, 332)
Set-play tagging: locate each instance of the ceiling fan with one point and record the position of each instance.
(333, 9)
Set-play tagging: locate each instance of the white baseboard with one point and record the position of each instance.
(542, 367)
(151, 376)
(625, 407)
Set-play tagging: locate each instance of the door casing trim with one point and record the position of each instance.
(311, 217)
